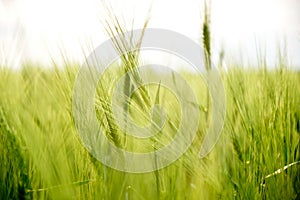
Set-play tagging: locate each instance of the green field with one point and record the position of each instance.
(42, 156)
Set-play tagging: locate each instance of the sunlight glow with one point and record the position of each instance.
(37, 30)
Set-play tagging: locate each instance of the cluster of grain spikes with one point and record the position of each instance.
(130, 62)
(130, 59)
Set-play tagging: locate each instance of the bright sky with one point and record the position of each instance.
(41, 30)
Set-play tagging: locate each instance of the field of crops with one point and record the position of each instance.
(127, 129)
(256, 157)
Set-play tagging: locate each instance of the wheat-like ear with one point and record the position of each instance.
(206, 36)
(206, 39)
(130, 59)
(115, 26)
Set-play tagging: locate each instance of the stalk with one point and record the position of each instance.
(206, 36)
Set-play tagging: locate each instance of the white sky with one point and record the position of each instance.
(41, 30)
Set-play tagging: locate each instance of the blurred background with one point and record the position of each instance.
(47, 31)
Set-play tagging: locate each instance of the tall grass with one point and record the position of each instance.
(42, 156)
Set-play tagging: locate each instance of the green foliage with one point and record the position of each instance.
(43, 158)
